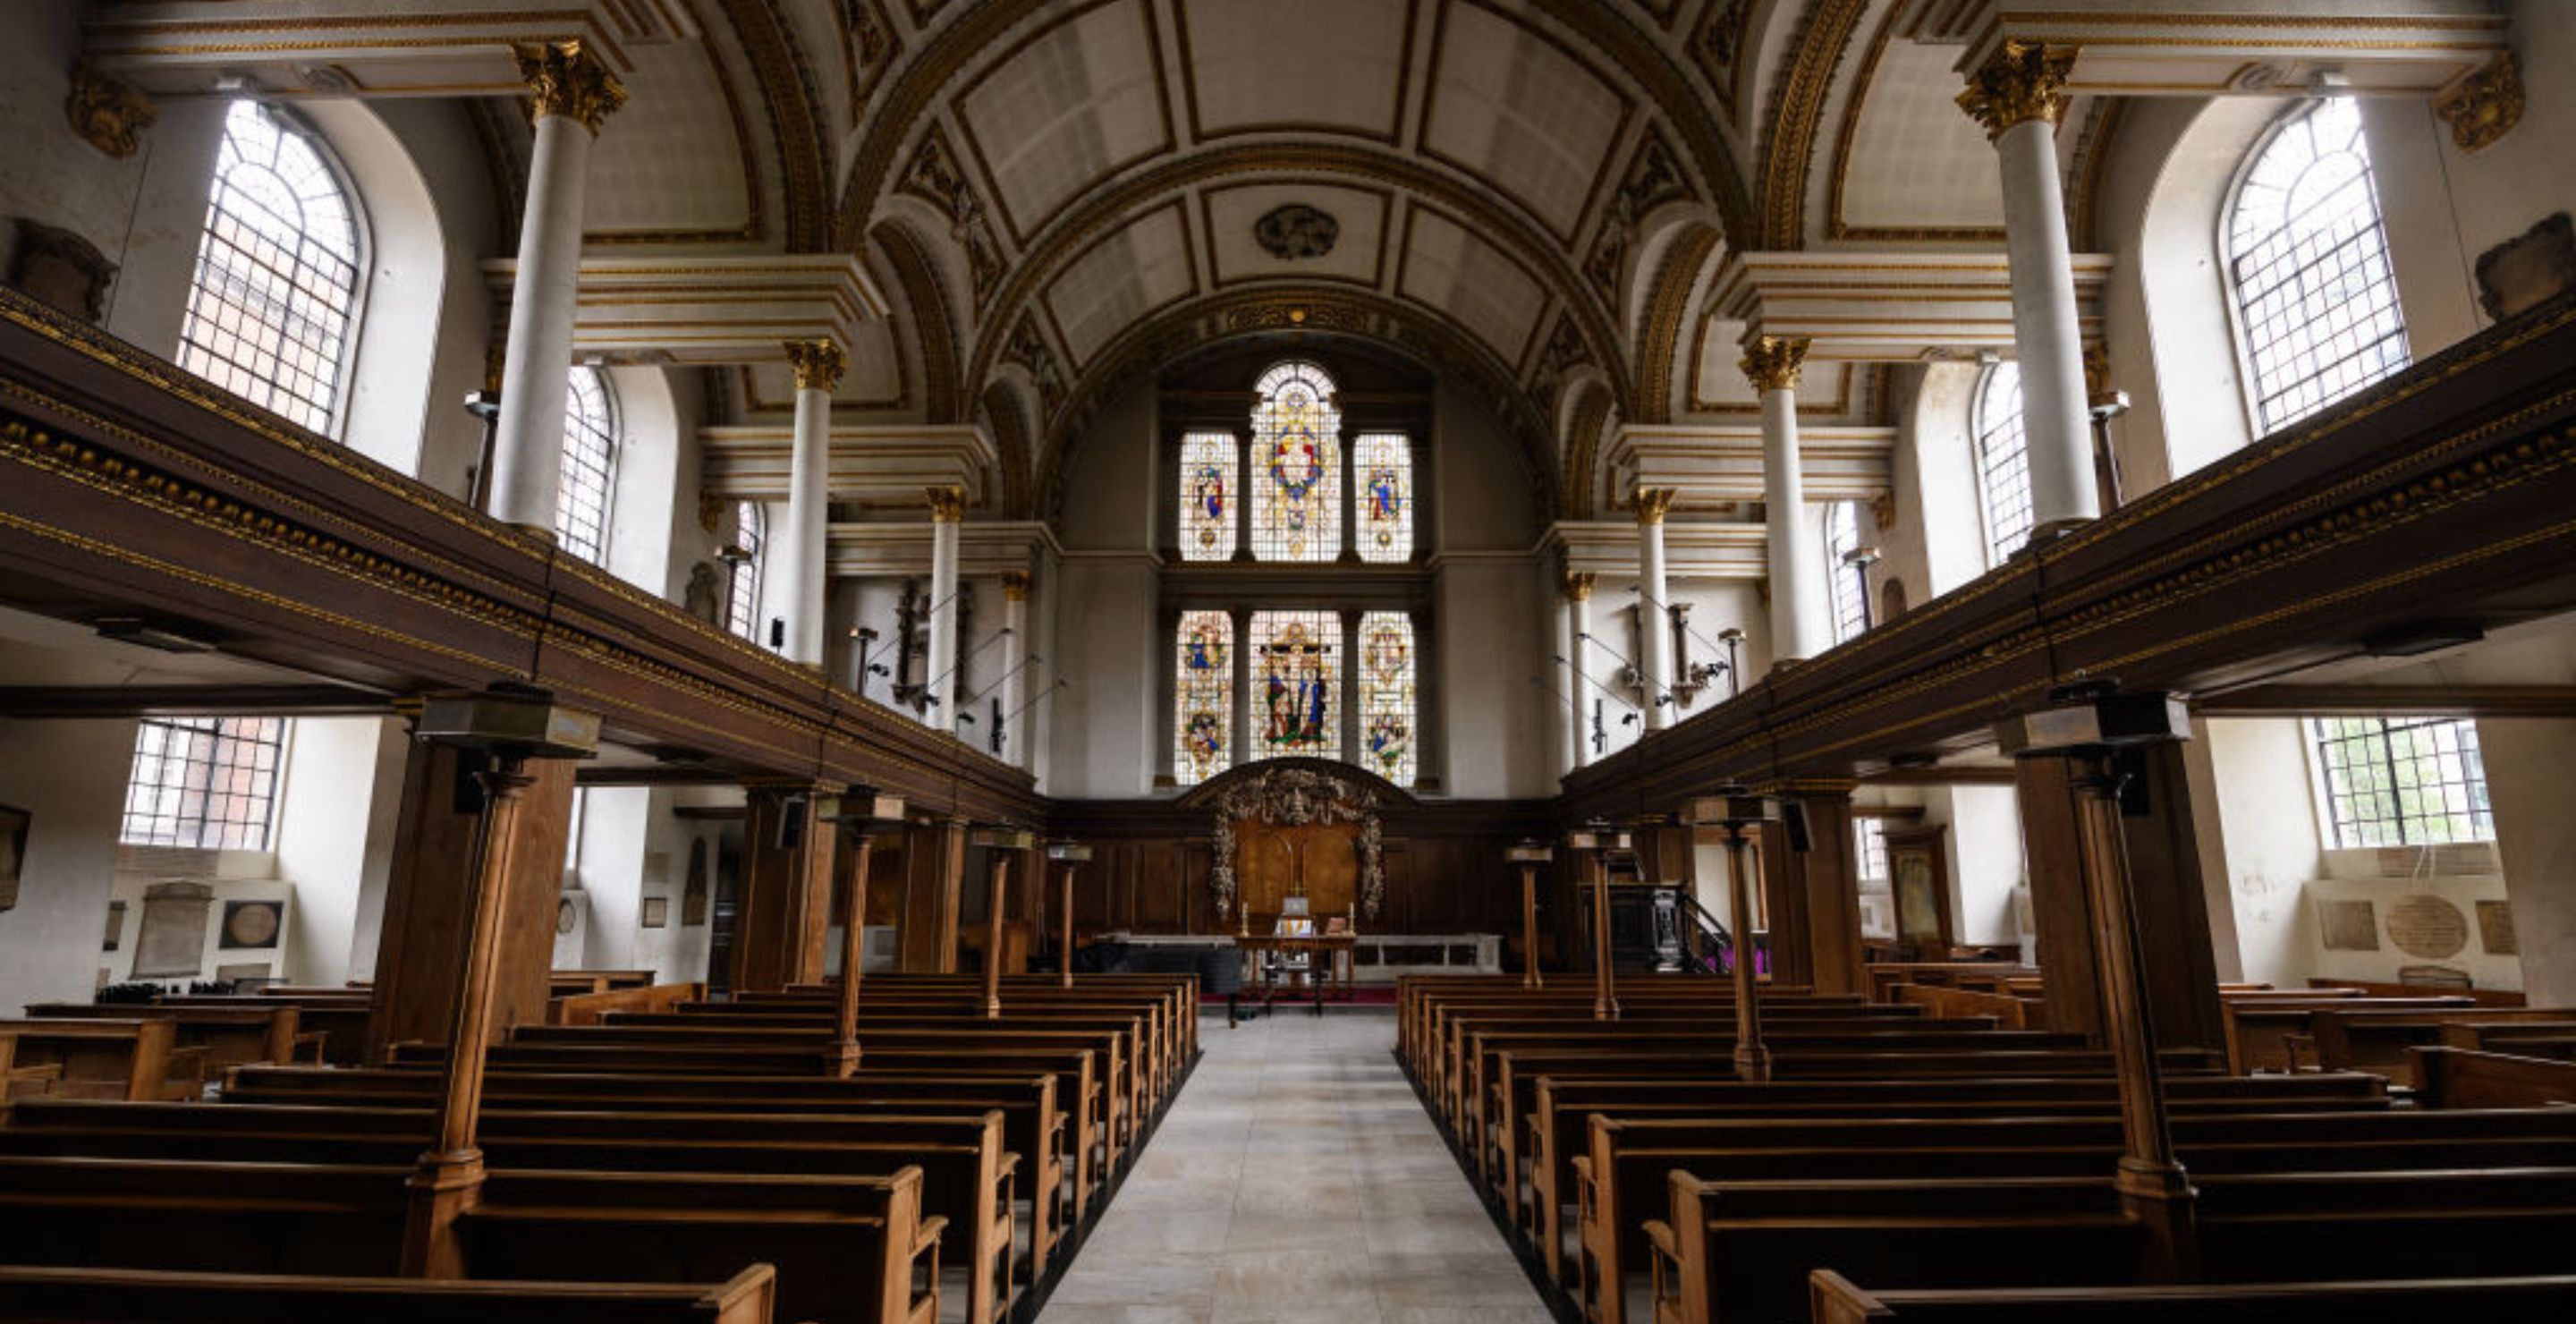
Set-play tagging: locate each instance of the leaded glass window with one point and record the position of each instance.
(1209, 463)
(1850, 579)
(1297, 683)
(2412, 782)
(2316, 300)
(589, 466)
(1297, 466)
(2003, 462)
(276, 286)
(742, 593)
(1387, 709)
(1384, 509)
(1871, 834)
(206, 782)
(1203, 707)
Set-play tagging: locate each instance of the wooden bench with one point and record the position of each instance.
(2271, 1034)
(2370, 1036)
(126, 1057)
(591, 1008)
(36, 1295)
(1834, 1299)
(2457, 1078)
(230, 1035)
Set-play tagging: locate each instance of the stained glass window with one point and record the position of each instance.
(2003, 462)
(1210, 461)
(1203, 710)
(1387, 731)
(2403, 782)
(742, 595)
(1297, 683)
(276, 283)
(1297, 466)
(1384, 510)
(589, 466)
(207, 782)
(2315, 298)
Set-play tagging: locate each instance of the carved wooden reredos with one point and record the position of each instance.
(1299, 794)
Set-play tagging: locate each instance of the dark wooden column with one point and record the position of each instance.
(1828, 873)
(1784, 903)
(429, 898)
(785, 916)
(934, 873)
(2181, 975)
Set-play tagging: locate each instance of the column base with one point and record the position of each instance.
(543, 533)
(1605, 1009)
(2160, 1198)
(841, 1059)
(2043, 534)
(1752, 1062)
(440, 1190)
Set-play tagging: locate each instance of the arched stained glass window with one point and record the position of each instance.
(2316, 301)
(742, 594)
(1384, 510)
(589, 465)
(2003, 462)
(1203, 708)
(1297, 683)
(275, 294)
(1296, 466)
(1850, 581)
(1210, 462)
(1387, 709)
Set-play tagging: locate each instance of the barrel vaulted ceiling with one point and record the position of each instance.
(1536, 196)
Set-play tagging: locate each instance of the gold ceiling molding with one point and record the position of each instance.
(2484, 104)
(935, 177)
(1657, 360)
(1653, 178)
(1010, 429)
(868, 51)
(1030, 353)
(755, 198)
(933, 334)
(1719, 48)
(786, 87)
(1797, 108)
(1583, 438)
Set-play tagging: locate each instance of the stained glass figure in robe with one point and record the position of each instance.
(1203, 716)
(1208, 464)
(1385, 464)
(1300, 682)
(1297, 481)
(1386, 696)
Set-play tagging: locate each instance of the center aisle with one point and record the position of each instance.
(1296, 1178)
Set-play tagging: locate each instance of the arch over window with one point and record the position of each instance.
(2307, 259)
(750, 546)
(1850, 579)
(2003, 462)
(1210, 514)
(1297, 466)
(275, 294)
(589, 465)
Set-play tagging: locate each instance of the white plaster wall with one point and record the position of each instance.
(71, 777)
(2267, 820)
(656, 467)
(1105, 649)
(1492, 736)
(440, 143)
(328, 834)
(2526, 763)
(609, 860)
(1939, 539)
(676, 953)
(1985, 858)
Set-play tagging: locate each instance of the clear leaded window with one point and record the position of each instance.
(1297, 683)
(2402, 782)
(589, 465)
(1384, 504)
(1850, 579)
(1203, 697)
(2316, 301)
(275, 293)
(1297, 466)
(1209, 463)
(207, 782)
(1387, 710)
(742, 591)
(2003, 462)
(1871, 834)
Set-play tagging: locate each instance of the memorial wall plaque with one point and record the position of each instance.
(2495, 928)
(252, 925)
(2425, 925)
(115, 926)
(13, 853)
(2348, 926)
(172, 943)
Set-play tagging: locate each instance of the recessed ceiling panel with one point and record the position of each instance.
(1334, 65)
(1449, 268)
(1720, 387)
(1358, 218)
(1914, 160)
(674, 161)
(1512, 106)
(1072, 104)
(1122, 280)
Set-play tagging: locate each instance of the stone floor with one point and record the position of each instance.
(1297, 1178)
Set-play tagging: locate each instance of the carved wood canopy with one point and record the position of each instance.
(1296, 792)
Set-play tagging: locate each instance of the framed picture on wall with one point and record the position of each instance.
(13, 852)
(657, 912)
(1918, 874)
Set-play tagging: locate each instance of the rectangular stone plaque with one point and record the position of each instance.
(172, 944)
(2348, 926)
(2495, 928)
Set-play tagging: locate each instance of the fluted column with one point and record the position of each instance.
(1579, 688)
(1015, 654)
(1800, 625)
(574, 95)
(2019, 96)
(1654, 619)
(947, 507)
(818, 365)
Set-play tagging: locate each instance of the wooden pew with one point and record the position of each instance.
(2370, 1036)
(2270, 1034)
(2457, 1078)
(340, 1020)
(230, 1035)
(1834, 1299)
(2009, 1012)
(36, 1295)
(127, 1057)
(591, 1008)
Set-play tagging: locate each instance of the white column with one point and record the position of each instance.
(1800, 626)
(947, 507)
(1580, 688)
(1569, 723)
(801, 574)
(2019, 97)
(1654, 620)
(1015, 653)
(574, 94)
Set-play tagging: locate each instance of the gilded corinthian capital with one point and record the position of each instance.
(1653, 503)
(947, 504)
(1578, 585)
(2024, 82)
(1772, 363)
(818, 364)
(564, 78)
(106, 112)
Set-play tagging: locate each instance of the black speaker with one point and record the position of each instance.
(1793, 818)
(777, 632)
(791, 823)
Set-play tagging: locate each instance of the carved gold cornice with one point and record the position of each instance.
(566, 78)
(1015, 586)
(1578, 585)
(2483, 104)
(818, 363)
(2024, 82)
(107, 112)
(1653, 503)
(1668, 313)
(947, 504)
(1772, 363)
(1797, 111)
